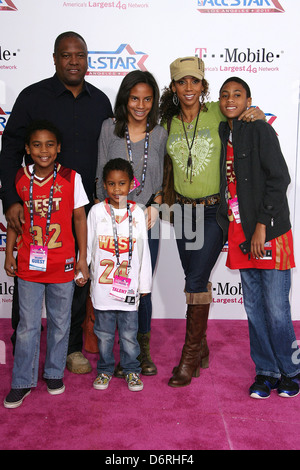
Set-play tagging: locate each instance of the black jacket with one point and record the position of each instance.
(262, 180)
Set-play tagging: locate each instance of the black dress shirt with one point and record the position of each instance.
(78, 119)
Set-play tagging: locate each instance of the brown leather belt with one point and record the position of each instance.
(206, 201)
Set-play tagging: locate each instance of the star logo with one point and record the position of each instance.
(7, 5)
(4, 115)
(57, 188)
(118, 62)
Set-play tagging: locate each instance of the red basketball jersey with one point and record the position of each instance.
(61, 245)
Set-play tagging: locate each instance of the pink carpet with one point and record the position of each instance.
(213, 413)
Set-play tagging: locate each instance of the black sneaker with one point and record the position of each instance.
(55, 386)
(288, 387)
(262, 386)
(15, 397)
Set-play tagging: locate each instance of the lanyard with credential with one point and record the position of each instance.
(114, 227)
(49, 205)
(146, 148)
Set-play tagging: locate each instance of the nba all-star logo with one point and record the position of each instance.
(118, 62)
(3, 119)
(239, 6)
(7, 5)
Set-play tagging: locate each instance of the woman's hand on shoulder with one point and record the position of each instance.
(252, 114)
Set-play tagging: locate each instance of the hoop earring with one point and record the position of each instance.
(175, 100)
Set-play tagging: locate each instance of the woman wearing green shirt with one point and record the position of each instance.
(192, 178)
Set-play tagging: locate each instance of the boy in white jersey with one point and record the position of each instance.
(120, 270)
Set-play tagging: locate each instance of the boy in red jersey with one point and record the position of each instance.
(52, 196)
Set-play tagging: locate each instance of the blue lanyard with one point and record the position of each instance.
(146, 148)
(114, 227)
(50, 203)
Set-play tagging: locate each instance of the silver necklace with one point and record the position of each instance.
(190, 146)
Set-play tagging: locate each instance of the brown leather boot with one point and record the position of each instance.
(147, 365)
(194, 348)
(200, 298)
(204, 356)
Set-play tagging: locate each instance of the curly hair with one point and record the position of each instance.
(118, 164)
(167, 109)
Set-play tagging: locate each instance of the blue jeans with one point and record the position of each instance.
(106, 322)
(198, 264)
(272, 337)
(58, 301)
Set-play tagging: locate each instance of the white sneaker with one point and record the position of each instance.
(134, 382)
(102, 381)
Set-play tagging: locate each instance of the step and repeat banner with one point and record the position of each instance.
(254, 39)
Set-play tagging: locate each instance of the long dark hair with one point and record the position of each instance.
(167, 108)
(129, 81)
